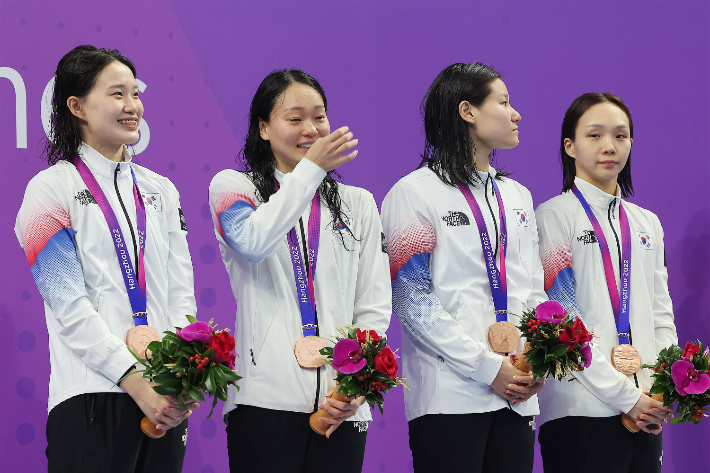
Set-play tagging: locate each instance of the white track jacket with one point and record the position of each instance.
(441, 293)
(351, 284)
(575, 277)
(73, 260)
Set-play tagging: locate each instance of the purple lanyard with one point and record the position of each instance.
(304, 279)
(619, 305)
(135, 286)
(496, 279)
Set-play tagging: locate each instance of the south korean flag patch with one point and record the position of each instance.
(645, 240)
(153, 201)
(522, 217)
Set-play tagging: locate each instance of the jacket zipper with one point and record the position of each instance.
(612, 207)
(125, 212)
(490, 209)
(307, 260)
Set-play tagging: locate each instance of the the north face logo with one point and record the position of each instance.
(588, 237)
(85, 198)
(456, 219)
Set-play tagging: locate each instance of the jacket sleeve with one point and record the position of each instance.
(373, 293)
(538, 295)
(44, 230)
(253, 232)
(663, 319)
(181, 281)
(411, 238)
(601, 379)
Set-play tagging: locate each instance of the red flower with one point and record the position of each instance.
(386, 363)
(690, 350)
(569, 336)
(223, 345)
(362, 336)
(581, 330)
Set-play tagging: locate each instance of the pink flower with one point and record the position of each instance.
(198, 331)
(586, 353)
(551, 312)
(347, 356)
(687, 379)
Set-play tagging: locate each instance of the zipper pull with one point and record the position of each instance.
(252, 357)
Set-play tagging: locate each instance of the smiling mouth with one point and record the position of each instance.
(131, 121)
(304, 146)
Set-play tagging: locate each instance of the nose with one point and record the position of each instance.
(515, 117)
(309, 128)
(608, 146)
(131, 105)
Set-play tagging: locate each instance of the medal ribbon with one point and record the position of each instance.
(135, 283)
(620, 303)
(304, 279)
(496, 279)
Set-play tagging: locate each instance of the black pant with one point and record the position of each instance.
(495, 442)
(598, 444)
(96, 432)
(271, 441)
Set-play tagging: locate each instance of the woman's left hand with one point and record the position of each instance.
(338, 409)
(525, 388)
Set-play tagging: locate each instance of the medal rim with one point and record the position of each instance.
(508, 326)
(138, 329)
(634, 353)
(304, 361)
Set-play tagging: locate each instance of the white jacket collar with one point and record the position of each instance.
(594, 195)
(99, 164)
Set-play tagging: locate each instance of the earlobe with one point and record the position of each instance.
(569, 147)
(74, 105)
(263, 130)
(466, 111)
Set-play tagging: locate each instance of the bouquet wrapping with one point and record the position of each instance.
(554, 343)
(681, 377)
(365, 365)
(190, 362)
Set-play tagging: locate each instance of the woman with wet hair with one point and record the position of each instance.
(604, 261)
(462, 242)
(287, 205)
(113, 269)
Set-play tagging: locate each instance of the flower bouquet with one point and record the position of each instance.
(554, 343)
(365, 365)
(194, 360)
(681, 376)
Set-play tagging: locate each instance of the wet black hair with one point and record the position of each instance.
(76, 75)
(575, 111)
(449, 147)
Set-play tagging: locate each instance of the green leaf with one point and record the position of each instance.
(191, 319)
(219, 377)
(656, 389)
(229, 375)
(165, 389)
(214, 403)
(209, 382)
(559, 350)
(195, 394)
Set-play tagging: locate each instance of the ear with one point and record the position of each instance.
(467, 112)
(263, 130)
(75, 107)
(631, 141)
(569, 147)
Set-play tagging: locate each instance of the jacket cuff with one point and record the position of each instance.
(117, 362)
(627, 402)
(488, 368)
(309, 173)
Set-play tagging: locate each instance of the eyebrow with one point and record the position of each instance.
(302, 108)
(120, 86)
(617, 127)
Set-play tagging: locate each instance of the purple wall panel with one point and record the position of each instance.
(202, 61)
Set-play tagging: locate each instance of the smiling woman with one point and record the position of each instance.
(83, 222)
(283, 304)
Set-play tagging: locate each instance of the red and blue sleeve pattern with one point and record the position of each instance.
(556, 259)
(232, 209)
(409, 246)
(45, 231)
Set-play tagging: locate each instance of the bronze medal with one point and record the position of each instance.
(307, 352)
(139, 337)
(625, 359)
(503, 337)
